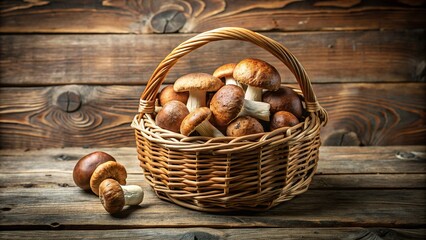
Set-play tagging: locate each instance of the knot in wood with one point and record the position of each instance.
(168, 21)
(69, 101)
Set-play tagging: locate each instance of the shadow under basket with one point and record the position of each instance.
(254, 172)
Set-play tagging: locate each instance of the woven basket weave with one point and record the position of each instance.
(254, 172)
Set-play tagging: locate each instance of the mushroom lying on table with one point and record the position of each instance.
(113, 170)
(197, 84)
(228, 103)
(257, 75)
(114, 196)
(198, 120)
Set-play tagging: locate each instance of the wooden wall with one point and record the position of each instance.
(72, 71)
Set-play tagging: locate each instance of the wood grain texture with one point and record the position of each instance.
(379, 114)
(355, 56)
(136, 16)
(216, 234)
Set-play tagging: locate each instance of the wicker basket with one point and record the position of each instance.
(254, 172)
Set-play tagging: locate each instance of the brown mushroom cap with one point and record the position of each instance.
(85, 167)
(225, 71)
(194, 119)
(257, 73)
(226, 104)
(168, 94)
(111, 195)
(285, 99)
(283, 119)
(244, 126)
(197, 81)
(171, 115)
(106, 170)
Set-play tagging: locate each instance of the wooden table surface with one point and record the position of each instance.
(358, 193)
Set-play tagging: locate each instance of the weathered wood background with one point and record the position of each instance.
(71, 72)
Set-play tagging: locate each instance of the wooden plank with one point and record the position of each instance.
(71, 208)
(378, 114)
(373, 168)
(354, 56)
(194, 16)
(216, 234)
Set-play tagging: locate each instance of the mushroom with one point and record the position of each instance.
(114, 196)
(244, 126)
(225, 72)
(257, 75)
(107, 170)
(171, 115)
(283, 119)
(285, 99)
(168, 94)
(85, 167)
(198, 120)
(197, 84)
(228, 103)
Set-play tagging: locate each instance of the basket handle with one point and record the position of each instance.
(147, 98)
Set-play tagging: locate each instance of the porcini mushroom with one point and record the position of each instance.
(168, 94)
(171, 115)
(114, 196)
(228, 103)
(107, 170)
(197, 84)
(85, 167)
(242, 126)
(283, 119)
(225, 72)
(284, 99)
(198, 120)
(257, 75)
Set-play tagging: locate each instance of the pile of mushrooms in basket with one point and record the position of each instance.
(238, 99)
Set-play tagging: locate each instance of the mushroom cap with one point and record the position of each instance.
(244, 125)
(283, 119)
(284, 99)
(226, 104)
(111, 195)
(257, 73)
(225, 70)
(106, 170)
(168, 94)
(85, 167)
(194, 119)
(197, 81)
(171, 115)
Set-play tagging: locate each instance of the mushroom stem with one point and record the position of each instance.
(133, 194)
(196, 99)
(232, 81)
(253, 93)
(259, 110)
(207, 129)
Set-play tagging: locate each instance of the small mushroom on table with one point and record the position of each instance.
(198, 120)
(171, 115)
(285, 99)
(197, 84)
(244, 125)
(225, 72)
(228, 103)
(257, 75)
(283, 119)
(85, 167)
(113, 170)
(115, 196)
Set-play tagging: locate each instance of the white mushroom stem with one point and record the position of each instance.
(207, 129)
(253, 93)
(133, 194)
(259, 110)
(232, 81)
(158, 108)
(196, 99)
